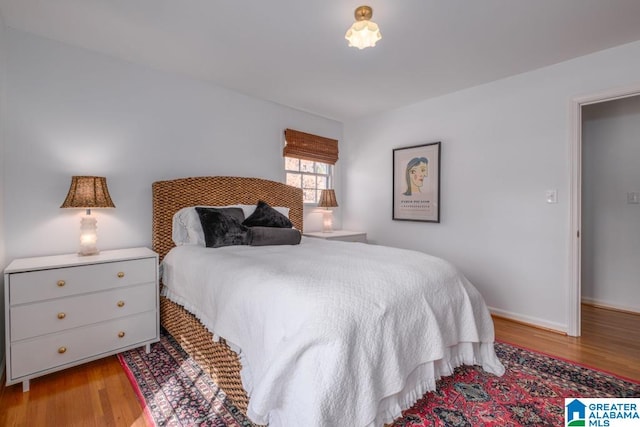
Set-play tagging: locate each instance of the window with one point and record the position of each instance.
(308, 162)
(309, 175)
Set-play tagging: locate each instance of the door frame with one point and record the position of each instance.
(574, 323)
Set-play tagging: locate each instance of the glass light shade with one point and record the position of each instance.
(363, 34)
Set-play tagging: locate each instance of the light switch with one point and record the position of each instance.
(552, 196)
(633, 197)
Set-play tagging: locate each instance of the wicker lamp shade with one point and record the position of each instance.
(88, 192)
(328, 199)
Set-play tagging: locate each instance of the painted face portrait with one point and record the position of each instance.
(416, 172)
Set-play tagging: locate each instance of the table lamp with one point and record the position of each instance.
(327, 200)
(88, 192)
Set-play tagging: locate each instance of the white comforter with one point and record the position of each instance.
(334, 333)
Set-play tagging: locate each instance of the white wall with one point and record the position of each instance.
(74, 112)
(3, 69)
(610, 225)
(503, 145)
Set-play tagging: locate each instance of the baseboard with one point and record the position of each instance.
(609, 306)
(529, 321)
(2, 375)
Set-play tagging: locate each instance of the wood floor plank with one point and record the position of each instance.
(99, 393)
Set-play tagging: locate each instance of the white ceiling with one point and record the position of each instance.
(293, 52)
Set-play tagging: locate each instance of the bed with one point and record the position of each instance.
(323, 362)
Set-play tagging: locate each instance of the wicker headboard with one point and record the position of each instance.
(173, 195)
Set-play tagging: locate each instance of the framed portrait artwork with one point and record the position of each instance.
(416, 183)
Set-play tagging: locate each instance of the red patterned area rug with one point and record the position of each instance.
(530, 393)
(176, 392)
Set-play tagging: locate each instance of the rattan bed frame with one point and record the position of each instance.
(216, 358)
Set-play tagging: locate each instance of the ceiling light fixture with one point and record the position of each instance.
(364, 32)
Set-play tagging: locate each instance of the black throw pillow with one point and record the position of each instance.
(223, 226)
(264, 236)
(266, 216)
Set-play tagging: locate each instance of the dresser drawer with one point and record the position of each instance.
(31, 320)
(62, 282)
(65, 348)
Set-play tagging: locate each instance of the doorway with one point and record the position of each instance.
(576, 185)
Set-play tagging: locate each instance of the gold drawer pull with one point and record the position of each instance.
(62, 350)
(120, 274)
(61, 283)
(120, 334)
(120, 303)
(61, 315)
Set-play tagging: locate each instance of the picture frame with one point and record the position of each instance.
(416, 183)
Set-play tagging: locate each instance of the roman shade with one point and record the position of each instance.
(307, 146)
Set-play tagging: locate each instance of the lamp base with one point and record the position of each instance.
(88, 236)
(88, 252)
(327, 221)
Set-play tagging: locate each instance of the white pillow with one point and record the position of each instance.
(187, 229)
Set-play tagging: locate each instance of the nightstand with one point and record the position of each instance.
(342, 235)
(64, 310)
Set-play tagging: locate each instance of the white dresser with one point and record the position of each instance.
(64, 310)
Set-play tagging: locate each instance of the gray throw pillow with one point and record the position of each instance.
(264, 236)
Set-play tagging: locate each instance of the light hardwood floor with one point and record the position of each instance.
(95, 394)
(99, 393)
(610, 340)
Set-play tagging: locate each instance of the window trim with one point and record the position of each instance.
(329, 175)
